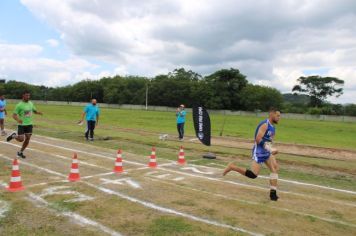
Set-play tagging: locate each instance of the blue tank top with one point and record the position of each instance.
(270, 132)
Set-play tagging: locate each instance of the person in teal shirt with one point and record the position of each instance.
(23, 115)
(3, 113)
(180, 114)
(91, 113)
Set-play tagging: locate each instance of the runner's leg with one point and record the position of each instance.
(20, 137)
(271, 164)
(253, 173)
(26, 142)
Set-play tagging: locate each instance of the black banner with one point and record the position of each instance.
(201, 121)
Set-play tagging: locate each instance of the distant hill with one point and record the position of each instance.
(296, 99)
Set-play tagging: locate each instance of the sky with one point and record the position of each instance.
(272, 42)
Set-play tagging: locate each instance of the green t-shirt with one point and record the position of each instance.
(24, 111)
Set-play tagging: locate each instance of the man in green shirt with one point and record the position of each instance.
(23, 115)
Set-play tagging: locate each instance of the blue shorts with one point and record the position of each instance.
(2, 115)
(260, 155)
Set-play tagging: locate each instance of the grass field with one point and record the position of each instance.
(319, 133)
(317, 190)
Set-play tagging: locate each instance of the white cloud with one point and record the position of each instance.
(52, 42)
(25, 63)
(13, 50)
(272, 42)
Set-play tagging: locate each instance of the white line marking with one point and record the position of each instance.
(152, 172)
(178, 179)
(98, 175)
(69, 159)
(4, 208)
(171, 211)
(35, 166)
(76, 218)
(281, 180)
(197, 171)
(190, 161)
(258, 187)
(60, 190)
(254, 203)
(144, 203)
(142, 168)
(59, 156)
(312, 185)
(216, 164)
(125, 181)
(168, 164)
(287, 181)
(250, 186)
(162, 176)
(88, 153)
(46, 183)
(218, 179)
(80, 161)
(295, 182)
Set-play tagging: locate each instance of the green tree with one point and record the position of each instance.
(86, 90)
(350, 110)
(256, 97)
(182, 74)
(169, 91)
(2, 89)
(227, 85)
(14, 89)
(60, 94)
(319, 88)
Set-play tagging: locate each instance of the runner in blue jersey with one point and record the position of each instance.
(263, 152)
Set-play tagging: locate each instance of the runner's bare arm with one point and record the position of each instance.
(16, 117)
(261, 132)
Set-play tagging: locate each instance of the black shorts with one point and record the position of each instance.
(24, 129)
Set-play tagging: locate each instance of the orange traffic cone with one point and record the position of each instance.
(118, 162)
(181, 159)
(15, 181)
(74, 171)
(153, 163)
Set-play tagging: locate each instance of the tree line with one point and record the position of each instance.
(224, 89)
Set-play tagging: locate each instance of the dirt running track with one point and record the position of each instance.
(104, 203)
(287, 148)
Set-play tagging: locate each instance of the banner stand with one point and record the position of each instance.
(202, 127)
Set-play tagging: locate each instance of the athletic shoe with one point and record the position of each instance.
(20, 154)
(91, 140)
(273, 195)
(10, 137)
